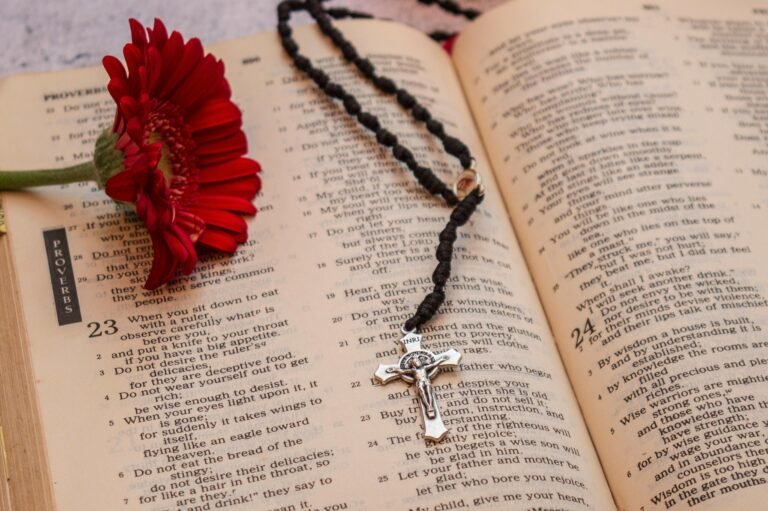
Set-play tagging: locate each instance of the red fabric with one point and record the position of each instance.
(448, 43)
(184, 147)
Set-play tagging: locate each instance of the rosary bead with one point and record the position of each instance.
(449, 197)
(440, 35)
(290, 46)
(335, 90)
(284, 11)
(284, 29)
(460, 215)
(412, 165)
(444, 251)
(436, 185)
(386, 137)
(302, 63)
(405, 98)
(319, 76)
(349, 51)
(402, 153)
(452, 8)
(368, 120)
(336, 36)
(448, 234)
(435, 127)
(430, 182)
(365, 66)
(433, 301)
(325, 24)
(337, 12)
(352, 106)
(385, 84)
(442, 273)
(420, 113)
(341, 12)
(315, 9)
(464, 210)
(453, 145)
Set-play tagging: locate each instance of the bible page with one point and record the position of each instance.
(629, 140)
(249, 384)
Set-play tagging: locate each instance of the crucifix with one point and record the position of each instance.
(419, 366)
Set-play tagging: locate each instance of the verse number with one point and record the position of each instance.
(578, 334)
(107, 327)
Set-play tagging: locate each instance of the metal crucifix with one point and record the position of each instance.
(419, 366)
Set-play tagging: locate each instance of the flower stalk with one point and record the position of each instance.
(107, 161)
(20, 179)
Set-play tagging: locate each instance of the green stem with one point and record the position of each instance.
(20, 179)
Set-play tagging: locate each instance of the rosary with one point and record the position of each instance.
(417, 365)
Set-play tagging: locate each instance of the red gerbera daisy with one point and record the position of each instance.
(183, 149)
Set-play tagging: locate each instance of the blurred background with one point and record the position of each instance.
(46, 35)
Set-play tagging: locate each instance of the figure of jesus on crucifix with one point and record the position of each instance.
(420, 366)
(422, 375)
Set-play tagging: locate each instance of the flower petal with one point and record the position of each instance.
(192, 54)
(241, 167)
(244, 188)
(219, 240)
(191, 260)
(135, 130)
(163, 264)
(213, 114)
(217, 134)
(226, 202)
(128, 106)
(138, 35)
(159, 35)
(189, 223)
(170, 55)
(133, 57)
(117, 89)
(219, 218)
(114, 68)
(220, 151)
(122, 186)
(154, 68)
(198, 84)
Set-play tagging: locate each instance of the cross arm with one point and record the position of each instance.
(383, 376)
(452, 358)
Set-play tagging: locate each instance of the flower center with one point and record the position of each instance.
(166, 125)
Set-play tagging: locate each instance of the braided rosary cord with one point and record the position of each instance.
(453, 8)
(438, 35)
(429, 305)
(463, 209)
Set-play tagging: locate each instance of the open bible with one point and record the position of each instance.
(608, 298)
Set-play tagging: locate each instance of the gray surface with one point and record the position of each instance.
(45, 35)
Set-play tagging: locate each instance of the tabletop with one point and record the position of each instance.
(47, 35)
